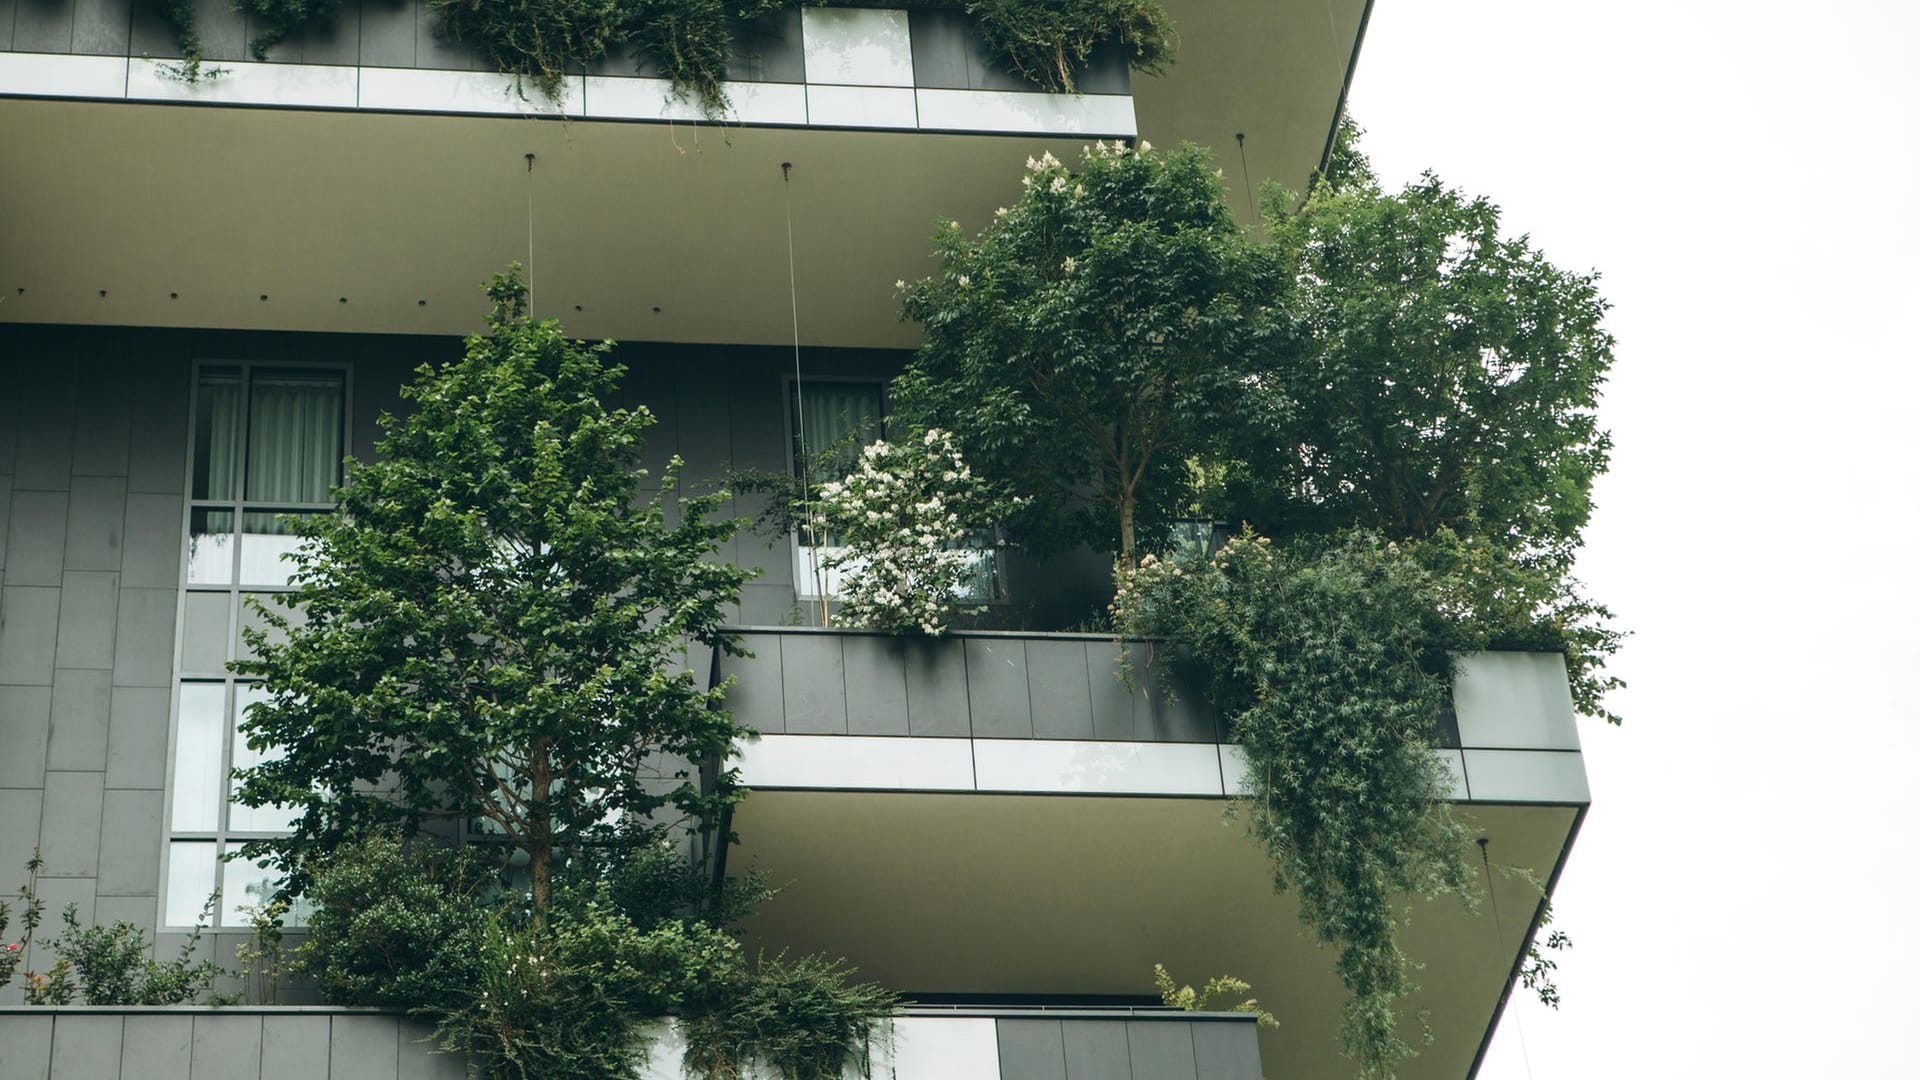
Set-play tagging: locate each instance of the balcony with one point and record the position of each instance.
(307, 1043)
(995, 816)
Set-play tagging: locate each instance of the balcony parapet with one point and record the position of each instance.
(1018, 713)
(317, 1043)
(859, 68)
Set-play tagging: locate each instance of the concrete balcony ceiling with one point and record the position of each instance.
(196, 215)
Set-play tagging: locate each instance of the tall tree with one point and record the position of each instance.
(493, 626)
(1442, 376)
(1086, 344)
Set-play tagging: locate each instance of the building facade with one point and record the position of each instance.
(210, 291)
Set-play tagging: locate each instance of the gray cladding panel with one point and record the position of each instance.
(96, 522)
(388, 29)
(157, 437)
(1097, 1050)
(152, 36)
(757, 699)
(422, 1059)
(294, 1047)
(997, 694)
(332, 41)
(87, 1046)
(6, 42)
(151, 556)
(29, 621)
(24, 726)
(19, 826)
(1062, 700)
(936, 688)
(43, 452)
(876, 685)
(222, 30)
(130, 843)
(204, 634)
(1112, 702)
(6, 491)
(70, 825)
(143, 642)
(814, 685)
(88, 602)
(100, 426)
(769, 50)
(1161, 1049)
(939, 49)
(1226, 1051)
(44, 26)
(101, 28)
(36, 536)
(81, 705)
(26, 1045)
(431, 50)
(137, 737)
(1031, 1050)
(226, 1047)
(364, 1048)
(157, 1047)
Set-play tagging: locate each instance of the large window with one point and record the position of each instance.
(267, 444)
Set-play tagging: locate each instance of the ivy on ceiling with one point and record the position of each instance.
(689, 42)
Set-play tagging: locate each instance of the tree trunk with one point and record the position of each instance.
(540, 834)
(1126, 527)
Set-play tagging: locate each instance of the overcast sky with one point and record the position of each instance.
(1745, 174)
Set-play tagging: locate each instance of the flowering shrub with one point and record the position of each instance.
(899, 526)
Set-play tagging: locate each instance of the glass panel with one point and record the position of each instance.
(293, 436)
(248, 884)
(204, 636)
(265, 540)
(216, 435)
(190, 870)
(271, 818)
(210, 547)
(198, 786)
(834, 421)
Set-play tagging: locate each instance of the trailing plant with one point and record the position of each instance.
(277, 19)
(1045, 41)
(191, 68)
(264, 958)
(802, 1019)
(899, 528)
(1323, 661)
(535, 40)
(1536, 972)
(494, 623)
(1202, 1000)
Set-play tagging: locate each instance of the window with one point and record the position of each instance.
(831, 420)
(267, 442)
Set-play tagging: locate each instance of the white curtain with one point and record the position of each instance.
(293, 437)
(836, 420)
(217, 443)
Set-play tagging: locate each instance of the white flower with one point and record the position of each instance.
(1000, 212)
(900, 283)
(1059, 184)
(1145, 146)
(964, 280)
(1069, 264)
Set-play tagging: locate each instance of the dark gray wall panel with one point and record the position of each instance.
(997, 692)
(150, 557)
(765, 605)
(26, 1045)
(6, 516)
(815, 686)
(25, 713)
(433, 51)
(1097, 1050)
(388, 29)
(29, 620)
(157, 441)
(1160, 1049)
(1226, 1051)
(152, 34)
(130, 843)
(101, 27)
(226, 1047)
(769, 50)
(6, 42)
(96, 522)
(43, 26)
(294, 1047)
(1061, 700)
(936, 688)
(137, 737)
(70, 825)
(876, 685)
(81, 704)
(334, 41)
(100, 416)
(157, 1047)
(939, 49)
(37, 536)
(88, 599)
(87, 1046)
(364, 1048)
(1112, 702)
(143, 641)
(758, 699)
(1031, 1050)
(222, 30)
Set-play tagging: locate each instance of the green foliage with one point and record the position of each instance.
(535, 40)
(1083, 346)
(1045, 40)
(264, 958)
(1323, 661)
(1536, 972)
(279, 18)
(494, 624)
(192, 68)
(32, 911)
(1202, 1000)
(111, 965)
(803, 1019)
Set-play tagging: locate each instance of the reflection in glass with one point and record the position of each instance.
(210, 547)
(265, 540)
(216, 434)
(198, 786)
(270, 818)
(250, 884)
(190, 869)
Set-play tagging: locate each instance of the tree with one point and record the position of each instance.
(1442, 377)
(1086, 344)
(492, 627)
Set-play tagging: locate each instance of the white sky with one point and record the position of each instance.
(1746, 176)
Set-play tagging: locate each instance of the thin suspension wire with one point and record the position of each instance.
(529, 234)
(800, 409)
(1519, 1025)
(1246, 177)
